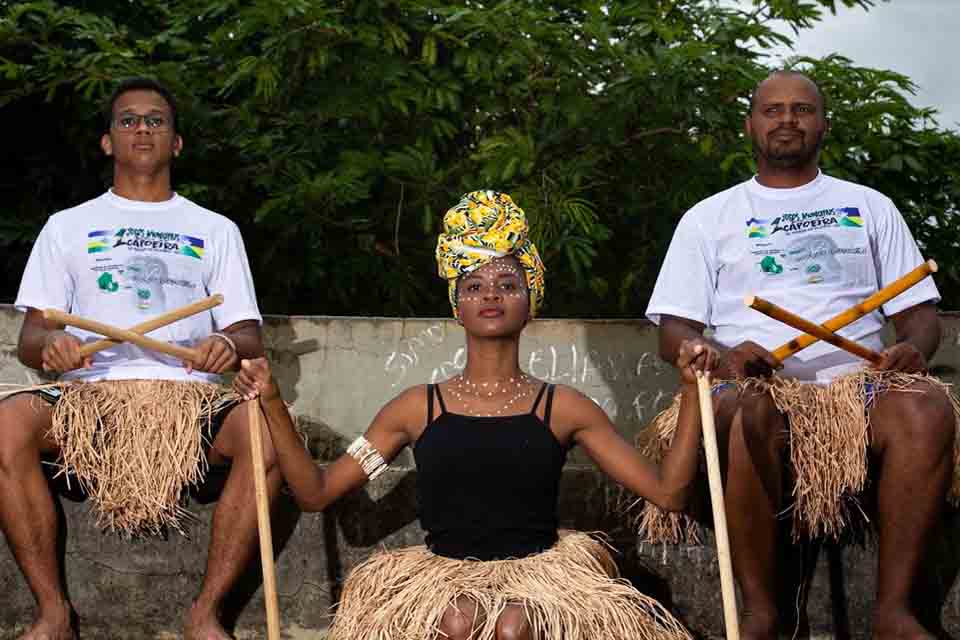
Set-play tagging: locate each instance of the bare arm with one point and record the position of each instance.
(674, 330)
(314, 487)
(45, 346)
(669, 484)
(745, 360)
(216, 355)
(248, 337)
(918, 337)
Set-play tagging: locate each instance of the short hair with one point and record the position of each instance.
(789, 73)
(140, 83)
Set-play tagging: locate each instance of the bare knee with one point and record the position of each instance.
(459, 620)
(23, 420)
(752, 439)
(233, 441)
(762, 421)
(512, 624)
(269, 453)
(755, 414)
(921, 418)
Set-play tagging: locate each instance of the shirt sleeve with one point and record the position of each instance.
(686, 284)
(231, 277)
(46, 281)
(895, 254)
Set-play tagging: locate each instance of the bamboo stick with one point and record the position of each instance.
(263, 522)
(779, 313)
(727, 589)
(857, 311)
(163, 320)
(123, 335)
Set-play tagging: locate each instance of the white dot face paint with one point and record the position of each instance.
(494, 299)
(500, 275)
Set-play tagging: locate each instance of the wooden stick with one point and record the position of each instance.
(795, 321)
(719, 509)
(856, 312)
(263, 522)
(163, 320)
(124, 335)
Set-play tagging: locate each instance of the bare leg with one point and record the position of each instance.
(27, 515)
(233, 539)
(460, 620)
(751, 429)
(512, 624)
(913, 436)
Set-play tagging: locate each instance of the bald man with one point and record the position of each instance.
(816, 245)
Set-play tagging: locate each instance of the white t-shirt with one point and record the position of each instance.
(815, 250)
(124, 262)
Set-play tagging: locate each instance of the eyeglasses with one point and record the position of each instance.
(130, 121)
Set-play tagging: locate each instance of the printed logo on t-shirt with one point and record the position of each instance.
(770, 266)
(757, 228)
(814, 257)
(134, 239)
(142, 279)
(794, 223)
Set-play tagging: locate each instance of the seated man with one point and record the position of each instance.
(126, 256)
(815, 245)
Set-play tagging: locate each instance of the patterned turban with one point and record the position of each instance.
(483, 226)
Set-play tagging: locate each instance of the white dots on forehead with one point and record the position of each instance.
(501, 276)
(499, 266)
(500, 270)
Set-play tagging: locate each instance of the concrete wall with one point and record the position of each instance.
(338, 372)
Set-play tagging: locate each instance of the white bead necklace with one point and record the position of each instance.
(468, 392)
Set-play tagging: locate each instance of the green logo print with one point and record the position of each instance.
(106, 283)
(769, 265)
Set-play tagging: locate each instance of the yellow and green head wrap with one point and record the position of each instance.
(484, 226)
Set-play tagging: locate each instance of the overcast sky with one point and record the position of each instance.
(918, 38)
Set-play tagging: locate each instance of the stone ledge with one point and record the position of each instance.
(337, 372)
(139, 589)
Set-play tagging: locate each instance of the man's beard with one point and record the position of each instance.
(801, 157)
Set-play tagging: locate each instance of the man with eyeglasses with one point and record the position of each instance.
(129, 255)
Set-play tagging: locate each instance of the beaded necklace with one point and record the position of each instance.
(467, 392)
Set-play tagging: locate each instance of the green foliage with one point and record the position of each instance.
(337, 133)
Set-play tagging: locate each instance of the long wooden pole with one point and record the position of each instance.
(857, 311)
(162, 320)
(779, 313)
(263, 522)
(123, 335)
(727, 589)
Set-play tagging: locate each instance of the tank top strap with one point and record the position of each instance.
(429, 403)
(536, 403)
(549, 407)
(443, 406)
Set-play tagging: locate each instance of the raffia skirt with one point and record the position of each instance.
(829, 437)
(571, 591)
(134, 446)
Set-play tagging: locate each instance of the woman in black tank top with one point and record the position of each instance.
(490, 445)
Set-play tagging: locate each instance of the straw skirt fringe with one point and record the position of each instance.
(829, 435)
(134, 445)
(571, 591)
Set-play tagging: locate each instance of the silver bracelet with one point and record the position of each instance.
(368, 457)
(226, 338)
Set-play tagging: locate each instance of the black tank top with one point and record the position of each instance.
(487, 487)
